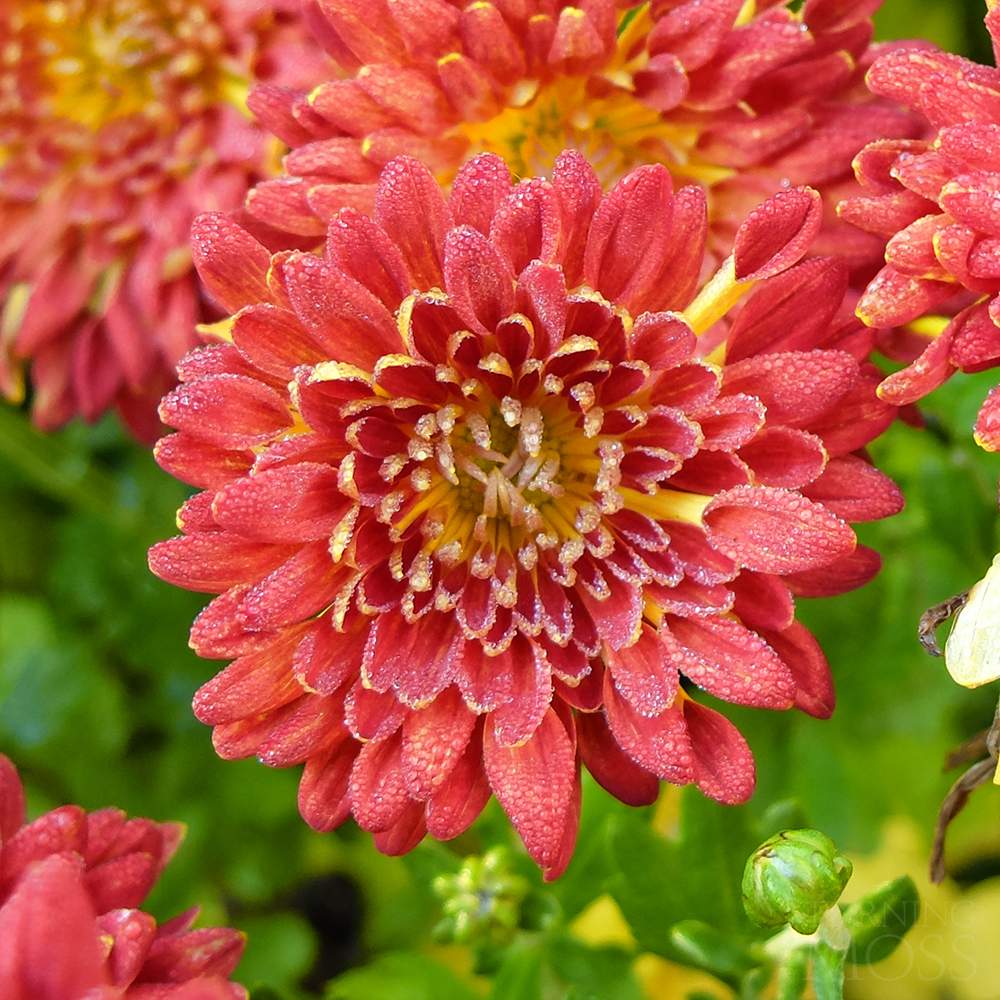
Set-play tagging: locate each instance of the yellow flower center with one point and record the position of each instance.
(597, 116)
(93, 61)
(504, 475)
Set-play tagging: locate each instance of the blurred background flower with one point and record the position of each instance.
(71, 884)
(741, 98)
(120, 120)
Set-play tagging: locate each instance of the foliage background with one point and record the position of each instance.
(96, 682)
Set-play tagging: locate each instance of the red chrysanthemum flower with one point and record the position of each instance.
(739, 97)
(938, 204)
(71, 884)
(120, 121)
(469, 535)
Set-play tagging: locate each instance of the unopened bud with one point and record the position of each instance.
(794, 878)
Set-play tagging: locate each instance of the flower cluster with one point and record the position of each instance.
(484, 480)
(741, 98)
(71, 884)
(937, 204)
(120, 121)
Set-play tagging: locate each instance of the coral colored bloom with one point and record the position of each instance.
(937, 204)
(120, 121)
(471, 535)
(71, 884)
(739, 99)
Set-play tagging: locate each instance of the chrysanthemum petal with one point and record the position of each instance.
(434, 739)
(727, 660)
(943, 87)
(516, 720)
(378, 785)
(534, 783)
(12, 807)
(250, 685)
(762, 600)
(52, 948)
(776, 531)
(613, 769)
(658, 743)
(615, 263)
(855, 490)
(462, 796)
(644, 673)
(838, 577)
(477, 280)
(784, 456)
(344, 318)
(363, 251)
(786, 312)
(723, 764)
(777, 233)
(227, 411)
(413, 212)
(800, 651)
(230, 261)
(324, 798)
(528, 225)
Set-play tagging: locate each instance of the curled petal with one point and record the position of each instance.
(777, 234)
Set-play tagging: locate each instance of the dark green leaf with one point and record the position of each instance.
(878, 921)
(706, 948)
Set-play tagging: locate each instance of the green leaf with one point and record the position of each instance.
(603, 973)
(878, 921)
(661, 882)
(648, 887)
(792, 975)
(706, 948)
(280, 949)
(714, 845)
(785, 814)
(265, 993)
(520, 975)
(400, 975)
(828, 972)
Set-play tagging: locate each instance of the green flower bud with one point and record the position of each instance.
(481, 902)
(794, 878)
